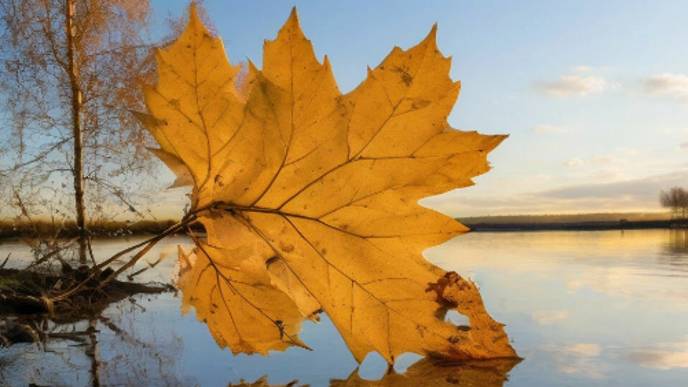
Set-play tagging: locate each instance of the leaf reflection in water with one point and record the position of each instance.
(488, 373)
(427, 372)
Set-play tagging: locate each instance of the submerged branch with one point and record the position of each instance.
(77, 293)
(111, 274)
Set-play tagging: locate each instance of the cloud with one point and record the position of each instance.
(620, 159)
(575, 85)
(548, 317)
(664, 356)
(675, 131)
(548, 129)
(574, 162)
(642, 189)
(584, 349)
(639, 194)
(582, 69)
(627, 281)
(667, 85)
(580, 359)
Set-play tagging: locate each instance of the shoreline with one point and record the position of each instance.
(575, 226)
(498, 224)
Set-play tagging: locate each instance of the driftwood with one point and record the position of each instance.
(12, 332)
(25, 293)
(24, 304)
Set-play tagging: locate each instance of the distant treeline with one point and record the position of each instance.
(602, 221)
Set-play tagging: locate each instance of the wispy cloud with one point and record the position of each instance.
(638, 194)
(574, 162)
(548, 317)
(639, 189)
(580, 359)
(582, 69)
(667, 85)
(602, 160)
(549, 129)
(584, 349)
(576, 84)
(627, 282)
(664, 356)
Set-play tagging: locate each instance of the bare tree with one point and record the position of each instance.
(72, 70)
(676, 199)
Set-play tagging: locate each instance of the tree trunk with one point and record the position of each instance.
(77, 169)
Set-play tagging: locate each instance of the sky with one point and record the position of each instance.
(594, 94)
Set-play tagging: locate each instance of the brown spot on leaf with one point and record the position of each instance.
(404, 74)
(286, 247)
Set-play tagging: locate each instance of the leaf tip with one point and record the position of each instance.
(196, 23)
(369, 71)
(498, 138)
(294, 15)
(193, 9)
(292, 23)
(194, 18)
(431, 38)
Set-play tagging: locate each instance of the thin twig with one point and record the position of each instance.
(5, 261)
(147, 245)
(51, 254)
(150, 266)
(90, 251)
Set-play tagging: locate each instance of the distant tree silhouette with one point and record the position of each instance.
(675, 199)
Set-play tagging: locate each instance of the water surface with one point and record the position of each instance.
(604, 308)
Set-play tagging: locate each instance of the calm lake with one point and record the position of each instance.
(605, 308)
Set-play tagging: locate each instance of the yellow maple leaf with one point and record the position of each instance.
(319, 191)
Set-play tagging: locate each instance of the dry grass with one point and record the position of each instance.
(13, 229)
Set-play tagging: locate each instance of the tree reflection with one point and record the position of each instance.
(676, 247)
(678, 241)
(98, 351)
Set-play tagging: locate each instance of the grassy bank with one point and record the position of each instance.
(14, 229)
